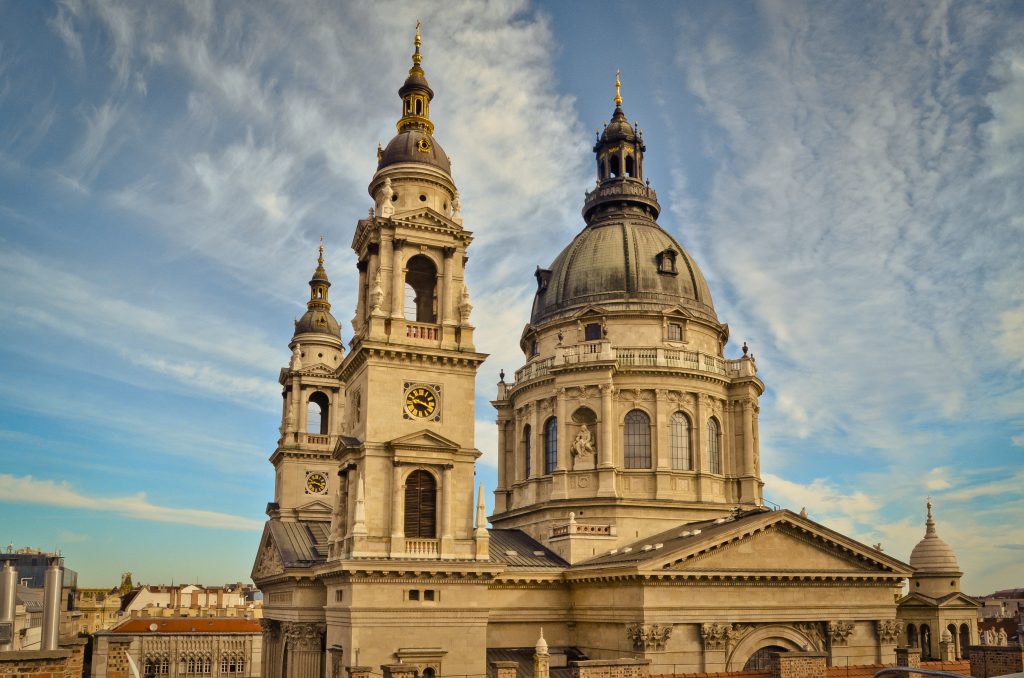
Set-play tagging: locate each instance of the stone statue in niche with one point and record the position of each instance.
(376, 295)
(583, 449)
(384, 206)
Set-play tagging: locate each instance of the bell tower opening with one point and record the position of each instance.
(420, 290)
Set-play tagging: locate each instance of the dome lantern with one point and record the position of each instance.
(317, 318)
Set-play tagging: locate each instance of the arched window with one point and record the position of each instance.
(637, 440)
(615, 165)
(714, 451)
(630, 166)
(420, 505)
(317, 411)
(926, 642)
(429, 673)
(526, 452)
(680, 425)
(761, 660)
(550, 445)
(421, 278)
(419, 106)
(953, 636)
(911, 635)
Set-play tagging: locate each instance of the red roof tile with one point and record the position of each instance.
(188, 625)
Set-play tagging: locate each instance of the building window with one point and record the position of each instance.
(339, 595)
(421, 281)
(414, 594)
(680, 426)
(911, 635)
(675, 332)
(317, 411)
(592, 332)
(526, 452)
(550, 445)
(630, 166)
(714, 451)
(667, 261)
(420, 505)
(637, 440)
(428, 594)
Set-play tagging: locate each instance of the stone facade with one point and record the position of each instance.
(629, 520)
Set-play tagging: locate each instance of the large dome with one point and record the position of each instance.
(414, 145)
(618, 262)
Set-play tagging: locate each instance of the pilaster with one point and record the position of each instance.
(304, 643)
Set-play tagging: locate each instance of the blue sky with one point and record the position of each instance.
(848, 175)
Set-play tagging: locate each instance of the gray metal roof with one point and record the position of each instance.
(301, 543)
(515, 548)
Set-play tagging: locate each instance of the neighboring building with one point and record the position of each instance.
(191, 600)
(29, 567)
(179, 646)
(629, 517)
(97, 609)
(1006, 604)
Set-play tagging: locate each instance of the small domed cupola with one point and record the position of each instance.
(318, 318)
(415, 141)
(619, 152)
(936, 571)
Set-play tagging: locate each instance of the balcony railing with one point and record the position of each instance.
(634, 357)
(421, 548)
(421, 331)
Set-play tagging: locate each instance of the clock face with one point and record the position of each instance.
(316, 483)
(420, 402)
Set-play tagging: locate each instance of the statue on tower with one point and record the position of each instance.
(384, 207)
(583, 449)
(377, 294)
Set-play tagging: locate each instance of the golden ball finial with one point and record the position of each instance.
(618, 88)
(417, 58)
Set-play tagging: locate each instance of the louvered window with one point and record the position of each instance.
(420, 505)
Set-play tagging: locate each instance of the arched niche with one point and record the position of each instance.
(785, 637)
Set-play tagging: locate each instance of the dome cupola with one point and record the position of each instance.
(932, 555)
(622, 258)
(414, 141)
(318, 319)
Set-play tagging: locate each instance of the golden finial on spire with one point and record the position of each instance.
(618, 88)
(320, 259)
(417, 58)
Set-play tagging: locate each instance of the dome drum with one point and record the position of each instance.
(614, 191)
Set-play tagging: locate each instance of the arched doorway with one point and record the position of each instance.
(926, 642)
(953, 636)
(965, 641)
(911, 635)
(761, 660)
(774, 637)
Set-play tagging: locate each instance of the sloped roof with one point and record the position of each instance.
(515, 549)
(301, 543)
(524, 657)
(187, 625)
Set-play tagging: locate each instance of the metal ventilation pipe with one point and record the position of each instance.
(52, 581)
(8, 601)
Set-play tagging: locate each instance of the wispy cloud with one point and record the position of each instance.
(29, 490)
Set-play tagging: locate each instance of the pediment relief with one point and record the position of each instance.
(774, 548)
(268, 562)
(590, 311)
(423, 439)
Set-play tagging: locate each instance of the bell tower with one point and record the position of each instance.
(411, 372)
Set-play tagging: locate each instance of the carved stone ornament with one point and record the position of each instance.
(270, 627)
(648, 636)
(839, 632)
(813, 632)
(304, 636)
(269, 563)
(715, 635)
(888, 631)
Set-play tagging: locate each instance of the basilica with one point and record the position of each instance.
(628, 517)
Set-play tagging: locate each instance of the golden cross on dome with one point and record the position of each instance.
(618, 88)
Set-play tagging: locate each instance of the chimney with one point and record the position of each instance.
(52, 581)
(8, 600)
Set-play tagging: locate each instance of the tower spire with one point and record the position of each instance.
(416, 94)
(618, 88)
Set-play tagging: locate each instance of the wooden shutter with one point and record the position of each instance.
(420, 506)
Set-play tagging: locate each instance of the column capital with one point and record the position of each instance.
(449, 251)
(304, 636)
(398, 243)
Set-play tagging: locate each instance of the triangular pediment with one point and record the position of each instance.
(423, 439)
(677, 312)
(775, 549)
(589, 311)
(268, 559)
(769, 542)
(425, 216)
(956, 599)
(317, 370)
(316, 505)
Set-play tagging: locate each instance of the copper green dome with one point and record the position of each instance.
(621, 264)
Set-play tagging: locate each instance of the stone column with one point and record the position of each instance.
(662, 429)
(607, 445)
(397, 279)
(748, 436)
(303, 643)
(271, 659)
(364, 290)
(563, 441)
(503, 478)
(444, 304)
(397, 515)
(446, 508)
(911, 658)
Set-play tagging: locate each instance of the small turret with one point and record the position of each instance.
(318, 319)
